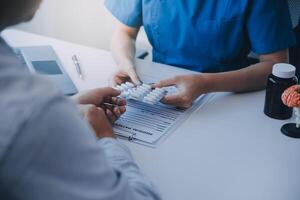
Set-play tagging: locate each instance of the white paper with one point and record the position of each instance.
(148, 124)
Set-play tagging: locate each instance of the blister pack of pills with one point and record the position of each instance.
(144, 92)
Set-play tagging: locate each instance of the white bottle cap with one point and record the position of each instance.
(283, 70)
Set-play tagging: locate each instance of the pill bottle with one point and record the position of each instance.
(283, 76)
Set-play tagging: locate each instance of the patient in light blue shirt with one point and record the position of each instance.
(47, 151)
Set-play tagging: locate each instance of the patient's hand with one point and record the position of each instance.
(103, 97)
(96, 96)
(98, 120)
(101, 108)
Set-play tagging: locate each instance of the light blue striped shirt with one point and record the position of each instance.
(48, 152)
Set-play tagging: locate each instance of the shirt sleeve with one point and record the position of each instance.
(65, 161)
(269, 26)
(129, 12)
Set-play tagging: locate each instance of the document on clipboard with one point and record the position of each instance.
(149, 124)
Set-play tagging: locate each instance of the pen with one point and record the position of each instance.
(77, 65)
(109, 106)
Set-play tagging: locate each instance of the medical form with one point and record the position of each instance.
(148, 124)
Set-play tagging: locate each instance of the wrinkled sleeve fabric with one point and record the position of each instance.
(128, 12)
(60, 158)
(269, 26)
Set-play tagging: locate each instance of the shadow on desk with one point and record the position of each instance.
(232, 103)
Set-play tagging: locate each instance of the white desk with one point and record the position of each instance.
(228, 150)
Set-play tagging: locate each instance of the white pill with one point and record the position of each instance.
(124, 87)
(151, 98)
(129, 84)
(159, 90)
(134, 90)
(126, 93)
(158, 98)
(136, 96)
(156, 92)
(140, 88)
(140, 94)
(154, 101)
(152, 95)
(146, 86)
(145, 92)
(160, 95)
(118, 87)
(123, 95)
(144, 89)
(130, 91)
(149, 102)
(148, 98)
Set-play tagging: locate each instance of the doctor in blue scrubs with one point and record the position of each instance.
(209, 36)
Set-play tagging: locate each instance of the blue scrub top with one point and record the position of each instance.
(208, 35)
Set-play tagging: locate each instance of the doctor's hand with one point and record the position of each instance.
(189, 88)
(125, 74)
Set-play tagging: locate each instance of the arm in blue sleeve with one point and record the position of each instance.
(124, 162)
(269, 26)
(69, 163)
(129, 12)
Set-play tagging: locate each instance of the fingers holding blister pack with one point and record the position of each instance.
(143, 92)
(155, 96)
